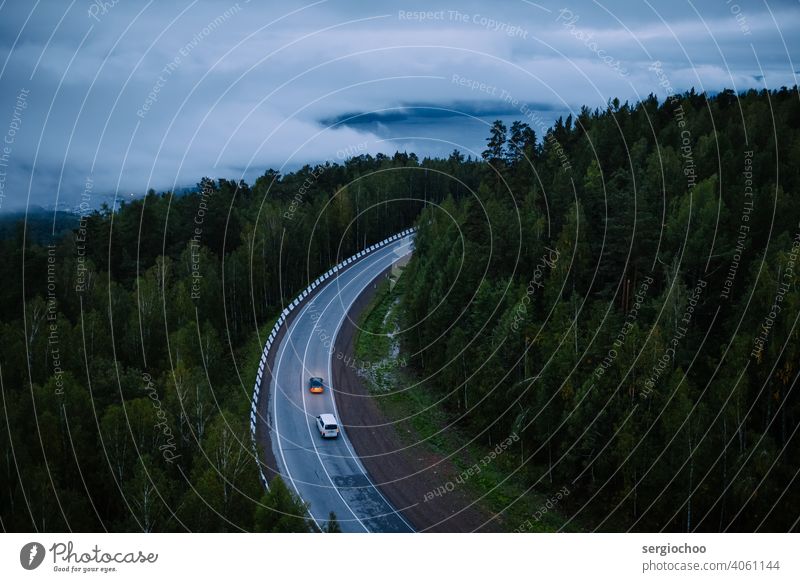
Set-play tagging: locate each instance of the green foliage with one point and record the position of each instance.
(333, 524)
(280, 511)
(126, 345)
(126, 383)
(645, 205)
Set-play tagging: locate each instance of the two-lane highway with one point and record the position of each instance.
(326, 473)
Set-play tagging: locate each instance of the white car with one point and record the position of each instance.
(327, 427)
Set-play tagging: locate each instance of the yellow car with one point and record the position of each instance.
(316, 386)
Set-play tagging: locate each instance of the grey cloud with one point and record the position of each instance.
(233, 88)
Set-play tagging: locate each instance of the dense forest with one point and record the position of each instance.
(129, 347)
(623, 294)
(620, 292)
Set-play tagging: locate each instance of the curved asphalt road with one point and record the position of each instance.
(326, 473)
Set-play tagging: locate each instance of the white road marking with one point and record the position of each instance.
(274, 380)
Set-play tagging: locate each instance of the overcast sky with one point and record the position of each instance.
(135, 95)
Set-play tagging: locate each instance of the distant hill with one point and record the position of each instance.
(41, 227)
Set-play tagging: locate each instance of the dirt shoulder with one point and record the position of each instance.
(407, 474)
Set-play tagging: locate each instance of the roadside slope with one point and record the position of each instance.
(404, 474)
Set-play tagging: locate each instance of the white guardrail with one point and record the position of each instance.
(282, 318)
